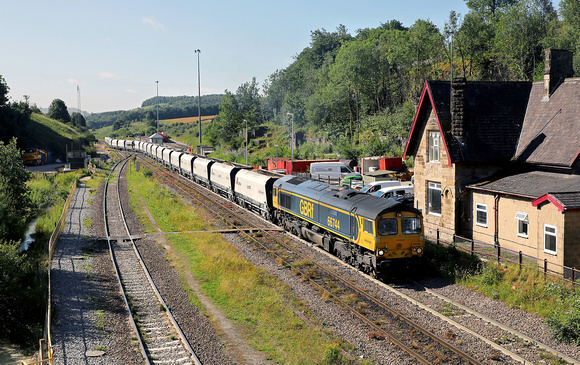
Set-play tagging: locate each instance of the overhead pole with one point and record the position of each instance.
(198, 95)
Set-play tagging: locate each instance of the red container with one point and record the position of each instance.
(391, 163)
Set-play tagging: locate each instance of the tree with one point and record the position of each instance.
(15, 202)
(78, 120)
(3, 92)
(59, 111)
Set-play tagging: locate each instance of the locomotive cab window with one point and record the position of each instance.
(387, 226)
(368, 227)
(411, 225)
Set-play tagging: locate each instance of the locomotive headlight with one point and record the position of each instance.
(419, 250)
(381, 252)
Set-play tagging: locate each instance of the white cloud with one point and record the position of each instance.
(109, 76)
(72, 81)
(130, 91)
(154, 24)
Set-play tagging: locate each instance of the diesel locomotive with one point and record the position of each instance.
(368, 232)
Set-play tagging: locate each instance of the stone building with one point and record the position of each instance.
(499, 161)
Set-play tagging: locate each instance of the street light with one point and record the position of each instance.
(157, 82)
(276, 156)
(198, 96)
(246, 142)
(292, 144)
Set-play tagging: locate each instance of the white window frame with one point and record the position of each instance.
(553, 234)
(479, 207)
(522, 218)
(433, 186)
(434, 146)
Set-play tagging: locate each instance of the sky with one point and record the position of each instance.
(111, 53)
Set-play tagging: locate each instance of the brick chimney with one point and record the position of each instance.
(558, 65)
(458, 102)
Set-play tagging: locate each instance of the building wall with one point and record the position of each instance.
(439, 172)
(572, 248)
(507, 226)
(507, 223)
(453, 179)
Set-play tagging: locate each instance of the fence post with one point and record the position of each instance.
(472, 247)
(521, 259)
(437, 236)
(498, 254)
(545, 266)
(573, 275)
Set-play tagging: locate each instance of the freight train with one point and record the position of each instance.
(368, 232)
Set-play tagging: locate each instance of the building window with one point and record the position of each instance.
(549, 239)
(481, 214)
(434, 198)
(522, 218)
(433, 146)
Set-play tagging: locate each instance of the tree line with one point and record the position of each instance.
(170, 107)
(360, 91)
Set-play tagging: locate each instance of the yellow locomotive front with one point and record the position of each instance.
(394, 237)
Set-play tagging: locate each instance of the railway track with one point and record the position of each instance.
(160, 338)
(383, 322)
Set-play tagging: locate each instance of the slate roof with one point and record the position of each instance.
(551, 132)
(534, 184)
(494, 114)
(568, 200)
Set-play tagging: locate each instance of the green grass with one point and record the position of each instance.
(256, 301)
(555, 300)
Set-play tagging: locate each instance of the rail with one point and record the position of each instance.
(499, 254)
(46, 353)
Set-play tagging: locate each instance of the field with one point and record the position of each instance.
(204, 118)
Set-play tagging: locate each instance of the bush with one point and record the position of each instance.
(565, 325)
(147, 172)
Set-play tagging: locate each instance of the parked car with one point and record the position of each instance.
(352, 181)
(394, 191)
(407, 199)
(377, 185)
(330, 171)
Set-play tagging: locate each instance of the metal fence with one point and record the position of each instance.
(496, 253)
(45, 352)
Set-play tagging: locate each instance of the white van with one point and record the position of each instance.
(378, 185)
(393, 191)
(330, 170)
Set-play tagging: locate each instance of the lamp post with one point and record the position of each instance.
(276, 156)
(157, 82)
(292, 144)
(198, 95)
(246, 142)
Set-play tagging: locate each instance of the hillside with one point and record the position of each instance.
(170, 107)
(51, 135)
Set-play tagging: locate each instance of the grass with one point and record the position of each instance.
(262, 306)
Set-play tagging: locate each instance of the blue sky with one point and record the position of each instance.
(114, 51)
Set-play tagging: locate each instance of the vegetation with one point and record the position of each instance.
(555, 300)
(169, 107)
(15, 202)
(250, 297)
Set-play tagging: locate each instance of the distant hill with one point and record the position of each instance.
(170, 107)
(70, 111)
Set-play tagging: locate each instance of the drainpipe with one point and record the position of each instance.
(496, 219)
